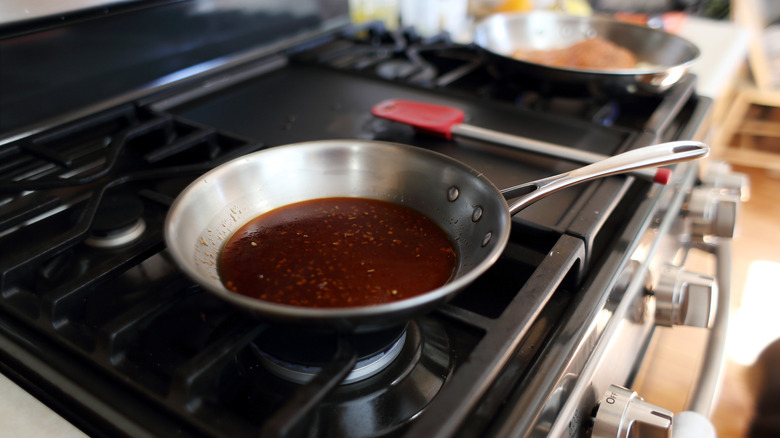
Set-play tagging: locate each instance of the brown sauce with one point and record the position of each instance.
(337, 252)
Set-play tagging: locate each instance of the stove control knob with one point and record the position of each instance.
(622, 413)
(719, 175)
(684, 297)
(713, 212)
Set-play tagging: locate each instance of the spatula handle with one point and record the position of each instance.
(549, 149)
(445, 121)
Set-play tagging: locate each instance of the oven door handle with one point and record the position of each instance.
(701, 398)
(694, 421)
(626, 414)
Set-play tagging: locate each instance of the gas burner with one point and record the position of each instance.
(300, 373)
(395, 69)
(602, 112)
(118, 221)
(398, 69)
(381, 405)
(117, 237)
(298, 356)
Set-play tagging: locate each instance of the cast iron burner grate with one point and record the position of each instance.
(371, 49)
(157, 339)
(441, 64)
(85, 203)
(65, 186)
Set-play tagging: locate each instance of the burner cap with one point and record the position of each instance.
(118, 221)
(299, 373)
(395, 69)
(298, 355)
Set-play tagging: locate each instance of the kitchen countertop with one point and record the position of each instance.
(723, 46)
(22, 415)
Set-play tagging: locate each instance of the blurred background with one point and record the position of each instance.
(453, 16)
(742, 76)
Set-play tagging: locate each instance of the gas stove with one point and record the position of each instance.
(100, 324)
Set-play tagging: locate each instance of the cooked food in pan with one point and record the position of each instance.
(591, 54)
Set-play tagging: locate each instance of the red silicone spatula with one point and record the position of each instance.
(447, 122)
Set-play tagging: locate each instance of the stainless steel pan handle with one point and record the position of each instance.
(649, 156)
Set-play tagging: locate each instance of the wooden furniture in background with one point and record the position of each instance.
(750, 131)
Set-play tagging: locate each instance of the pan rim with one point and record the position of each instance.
(303, 313)
(623, 72)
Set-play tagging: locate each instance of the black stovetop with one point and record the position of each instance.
(117, 340)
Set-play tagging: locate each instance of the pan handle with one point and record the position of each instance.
(649, 156)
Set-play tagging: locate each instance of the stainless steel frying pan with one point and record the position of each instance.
(465, 204)
(664, 58)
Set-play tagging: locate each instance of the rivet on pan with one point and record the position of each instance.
(487, 238)
(453, 193)
(476, 215)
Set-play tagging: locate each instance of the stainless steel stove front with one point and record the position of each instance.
(653, 289)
